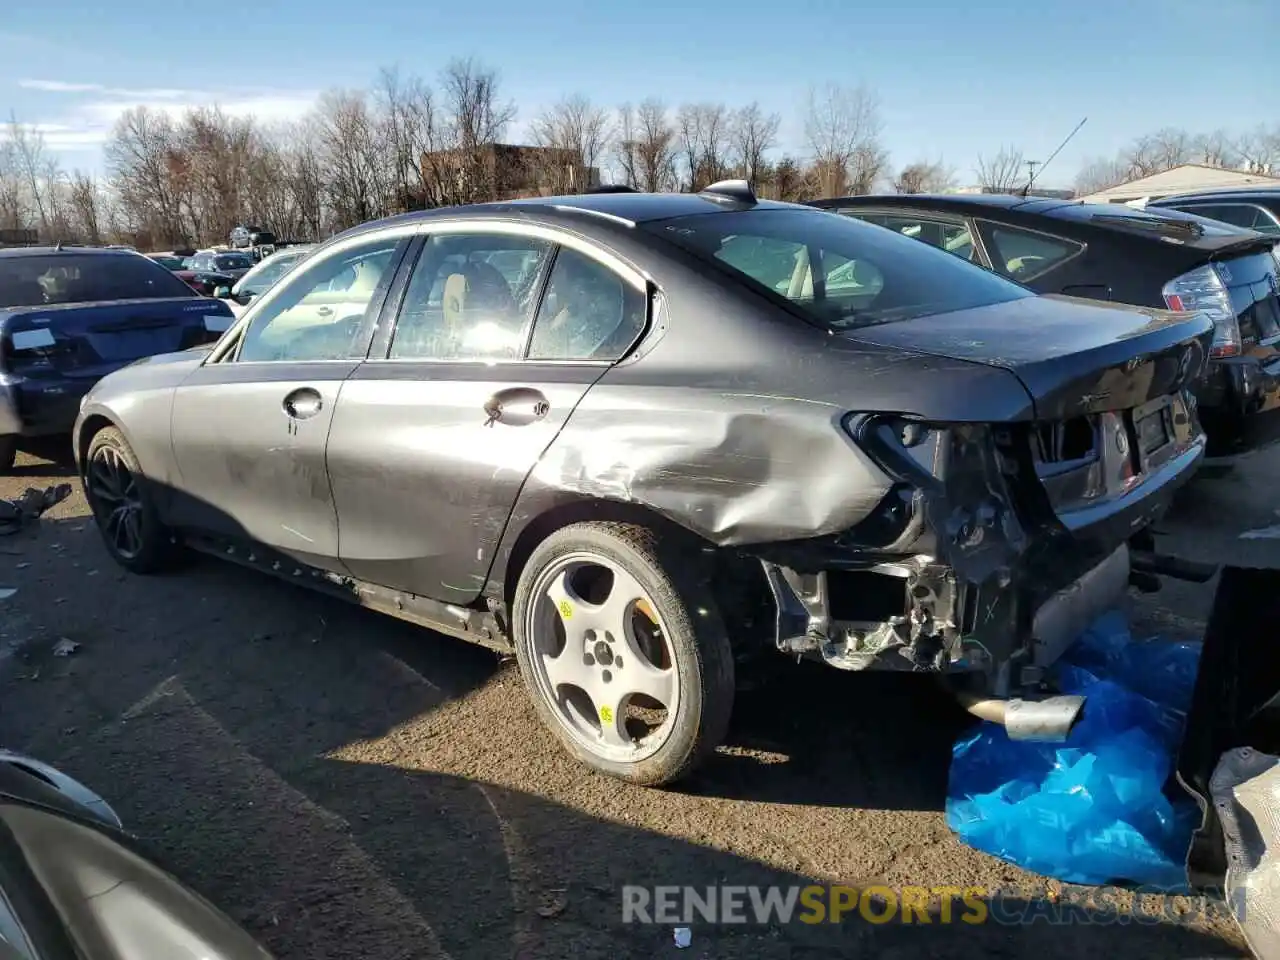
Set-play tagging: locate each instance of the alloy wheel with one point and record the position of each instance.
(117, 501)
(601, 657)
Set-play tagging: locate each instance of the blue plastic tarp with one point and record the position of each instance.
(1095, 809)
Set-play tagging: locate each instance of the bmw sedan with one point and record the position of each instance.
(640, 439)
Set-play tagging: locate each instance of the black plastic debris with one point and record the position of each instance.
(17, 513)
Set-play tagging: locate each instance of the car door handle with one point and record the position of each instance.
(303, 403)
(325, 311)
(516, 407)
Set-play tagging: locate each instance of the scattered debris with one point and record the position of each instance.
(65, 647)
(17, 513)
(554, 903)
(684, 937)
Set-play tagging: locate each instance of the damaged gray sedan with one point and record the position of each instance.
(640, 439)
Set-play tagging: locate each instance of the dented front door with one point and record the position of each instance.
(249, 440)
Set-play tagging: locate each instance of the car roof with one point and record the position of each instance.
(959, 202)
(68, 249)
(624, 208)
(1256, 193)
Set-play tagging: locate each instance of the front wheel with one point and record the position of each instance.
(623, 649)
(123, 507)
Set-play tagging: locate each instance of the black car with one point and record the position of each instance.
(637, 439)
(1162, 258)
(1252, 209)
(75, 886)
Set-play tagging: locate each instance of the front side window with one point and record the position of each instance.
(317, 314)
(1023, 255)
(837, 271)
(84, 278)
(588, 312)
(471, 297)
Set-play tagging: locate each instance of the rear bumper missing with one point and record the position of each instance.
(946, 625)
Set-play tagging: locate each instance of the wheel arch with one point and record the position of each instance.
(740, 584)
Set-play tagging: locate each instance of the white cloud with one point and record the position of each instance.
(93, 108)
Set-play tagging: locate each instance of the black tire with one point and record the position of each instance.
(158, 550)
(699, 645)
(8, 453)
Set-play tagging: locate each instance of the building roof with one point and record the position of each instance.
(1187, 178)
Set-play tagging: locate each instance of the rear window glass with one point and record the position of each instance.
(837, 270)
(84, 278)
(232, 263)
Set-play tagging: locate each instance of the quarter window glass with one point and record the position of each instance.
(317, 314)
(588, 312)
(945, 235)
(1022, 254)
(471, 297)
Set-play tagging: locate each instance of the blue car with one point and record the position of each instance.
(71, 315)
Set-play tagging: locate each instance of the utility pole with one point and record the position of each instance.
(1031, 171)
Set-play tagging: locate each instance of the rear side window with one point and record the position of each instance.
(949, 235)
(836, 270)
(1023, 255)
(587, 313)
(1247, 215)
(84, 278)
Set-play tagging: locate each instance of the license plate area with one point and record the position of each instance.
(1153, 428)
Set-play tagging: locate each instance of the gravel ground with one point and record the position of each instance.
(346, 785)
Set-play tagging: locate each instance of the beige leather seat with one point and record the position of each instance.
(480, 311)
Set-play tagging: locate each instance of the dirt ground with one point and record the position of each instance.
(346, 785)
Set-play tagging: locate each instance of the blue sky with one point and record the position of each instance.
(954, 79)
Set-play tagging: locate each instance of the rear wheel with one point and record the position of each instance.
(123, 506)
(622, 646)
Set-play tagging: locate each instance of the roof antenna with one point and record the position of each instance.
(1032, 178)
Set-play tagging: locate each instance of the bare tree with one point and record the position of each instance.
(578, 131)
(145, 167)
(1101, 173)
(1156, 152)
(1259, 150)
(1001, 173)
(755, 133)
(410, 132)
(355, 169)
(646, 145)
(924, 177)
(86, 205)
(705, 132)
(789, 181)
(1214, 149)
(27, 146)
(475, 118)
(842, 126)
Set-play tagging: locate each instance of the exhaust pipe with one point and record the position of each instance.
(1048, 720)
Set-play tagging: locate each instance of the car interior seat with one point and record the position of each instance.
(477, 295)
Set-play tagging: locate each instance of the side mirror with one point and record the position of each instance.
(222, 293)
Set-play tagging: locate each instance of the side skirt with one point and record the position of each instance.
(487, 628)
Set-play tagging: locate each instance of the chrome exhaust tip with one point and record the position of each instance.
(1047, 721)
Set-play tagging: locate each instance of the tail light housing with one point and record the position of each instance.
(1202, 291)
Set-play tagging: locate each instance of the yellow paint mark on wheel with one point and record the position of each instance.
(606, 715)
(566, 609)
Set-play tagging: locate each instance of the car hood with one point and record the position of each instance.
(1074, 356)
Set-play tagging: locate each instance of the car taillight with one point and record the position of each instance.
(1202, 291)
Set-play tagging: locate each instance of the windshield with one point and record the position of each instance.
(232, 262)
(84, 278)
(267, 273)
(169, 263)
(837, 270)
